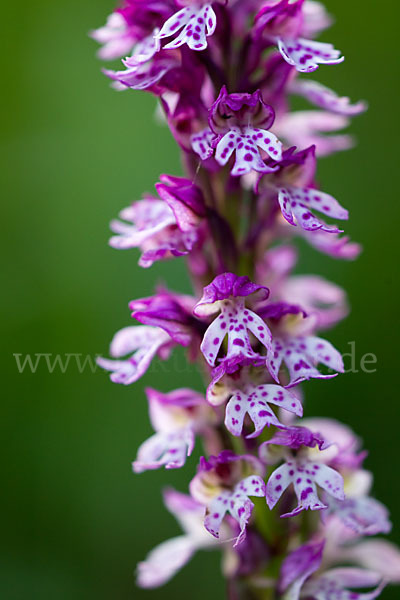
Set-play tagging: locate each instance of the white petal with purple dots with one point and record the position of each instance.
(301, 355)
(195, 24)
(246, 144)
(307, 55)
(363, 515)
(296, 202)
(255, 402)
(234, 321)
(237, 504)
(201, 143)
(304, 476)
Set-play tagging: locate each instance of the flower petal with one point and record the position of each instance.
(164, 561)
(323, 97)
(165, 449)
(307, 55)
(278, 483)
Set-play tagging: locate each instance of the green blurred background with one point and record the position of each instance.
(76, 519)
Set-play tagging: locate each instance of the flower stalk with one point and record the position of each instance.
(282, 495)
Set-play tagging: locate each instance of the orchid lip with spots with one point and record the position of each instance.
(282, 495)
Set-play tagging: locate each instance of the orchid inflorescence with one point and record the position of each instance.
(224, 73)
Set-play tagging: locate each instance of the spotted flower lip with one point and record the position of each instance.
(241, 123)
(301, 355)
(298, 196)
(226, 294)
(304, 475)
(255, 401)
(296, 203)
(286, 24)
(193, 24)
(307, 55)
(237, 504)
(219, 484)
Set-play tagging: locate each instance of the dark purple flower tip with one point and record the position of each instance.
(232, 364)
(278, 310)
(224, 467)
(145, 15)
(292, 156)
(300, 564)
(231, 367)
(240, 110)
(215, 462)
(170, 312)
(295, 437)
(185, 200)
(228, 285)
(279, 18)
(295, 168)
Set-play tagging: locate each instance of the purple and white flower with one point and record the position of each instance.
(143, 344)
(301, 355)
(161, 228)
(240, 124)
(227, 294)
(191, 25)
(175, 417)
(237, 504)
